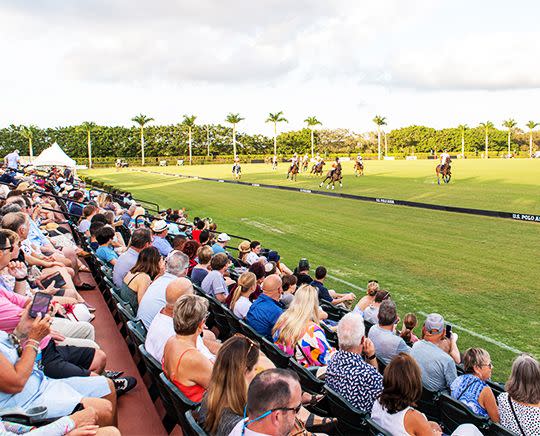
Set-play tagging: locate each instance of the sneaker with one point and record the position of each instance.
(112, 374)
(124, 384)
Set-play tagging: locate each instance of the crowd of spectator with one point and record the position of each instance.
(163, 268)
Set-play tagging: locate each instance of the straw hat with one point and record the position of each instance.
(244, 247)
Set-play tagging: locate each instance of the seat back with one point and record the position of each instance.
(374, 429)
(367, 326)
(233, 320)
(455, 413)
(331, 335)
(220, 318)
(125, 311)
(180, 402)
(429, 405)
(250, 332)
(192, 428)
(137, 332)
(309, 382)
(278, 357)
(498, 430)
(350, 419)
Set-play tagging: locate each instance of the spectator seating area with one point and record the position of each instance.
(177, 232)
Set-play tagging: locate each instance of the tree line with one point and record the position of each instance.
(188, 139)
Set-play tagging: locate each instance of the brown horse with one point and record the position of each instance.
(444, 171)
(305, 163)
(333, 176)
(358, 168)
(293, 171)
(317, 168)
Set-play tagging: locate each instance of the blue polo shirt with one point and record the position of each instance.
(263, 314)
(216, 248)
(162, 245)
(324, 295)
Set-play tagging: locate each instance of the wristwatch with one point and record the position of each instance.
(371, 357)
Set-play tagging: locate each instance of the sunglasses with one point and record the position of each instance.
(251, 342)
(489, 365)
(6, 248)
(372, 281)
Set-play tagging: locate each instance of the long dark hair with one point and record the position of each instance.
(402, 384)
(148, 262)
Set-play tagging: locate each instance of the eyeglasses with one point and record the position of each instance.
(286, 409)
(6, 248)
(489, 365)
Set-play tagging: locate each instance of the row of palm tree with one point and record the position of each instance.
(188, 121)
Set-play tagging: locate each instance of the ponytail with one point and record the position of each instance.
(245, 283)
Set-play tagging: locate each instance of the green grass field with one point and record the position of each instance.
(481, 273)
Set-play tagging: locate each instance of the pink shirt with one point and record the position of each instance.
(11, 307)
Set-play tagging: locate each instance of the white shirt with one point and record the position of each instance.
(237, 430)
(241, 307)
(392, 422)
(444, 157)
(251, 258)
(154, 299)
(12, 160)
(161, 329)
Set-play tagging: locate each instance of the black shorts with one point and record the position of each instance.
(66, 361)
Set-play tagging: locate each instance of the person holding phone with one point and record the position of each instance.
(22, 384)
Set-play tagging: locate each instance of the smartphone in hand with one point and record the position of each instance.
(448, 331)
(40, 304)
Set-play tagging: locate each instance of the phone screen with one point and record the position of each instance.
(448, 331)
(40, 304)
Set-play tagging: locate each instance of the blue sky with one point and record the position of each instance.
(437, 63)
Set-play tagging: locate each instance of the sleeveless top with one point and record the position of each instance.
(129, 295)
(196, 392)
(392, 422)
(467, 388)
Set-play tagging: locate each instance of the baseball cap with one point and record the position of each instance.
(223, 237)
(158, 226)
(303, 264)
(434, 324)
(273, 256)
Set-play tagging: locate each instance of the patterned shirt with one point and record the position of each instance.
(467, 389)
(528, 416)
(357, 381)
(312, 349)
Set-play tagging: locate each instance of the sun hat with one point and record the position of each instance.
(223, 237)
(24, 186)
(244, 247)
(434, 324)
(158, 226)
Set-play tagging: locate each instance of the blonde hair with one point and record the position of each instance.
(372, 288)
(474, 357)
(188, 312)
(303, 310)
(245, 282)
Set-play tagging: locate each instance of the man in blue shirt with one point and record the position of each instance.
(265, 310)
(221, 244)
(161, 230)
(330, 296)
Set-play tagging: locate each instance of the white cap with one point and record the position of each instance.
(223, 237)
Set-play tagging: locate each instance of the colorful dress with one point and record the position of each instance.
(312, 349)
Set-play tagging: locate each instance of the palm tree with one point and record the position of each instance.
(510, 124)
(189, 122)
(207, 140)
(488, 125)
(142, 120)
(276, 118)
(380, 121)
(531, 125)
(234, 119)
(87, 127)
(312, 122)
(462, 128)
(28, 133)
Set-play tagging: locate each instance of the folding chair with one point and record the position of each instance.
(278, 357)
(308, 381)
(455, 413)
(350, 419)
(180, 402)
(192, 427)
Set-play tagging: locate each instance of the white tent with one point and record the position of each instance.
(54, 156)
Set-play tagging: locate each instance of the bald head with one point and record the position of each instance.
(176, 289)
(272, 286)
